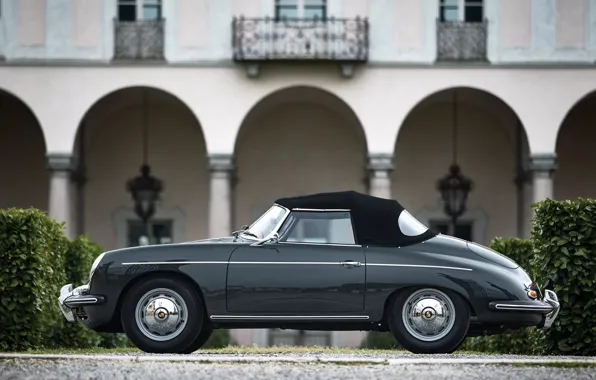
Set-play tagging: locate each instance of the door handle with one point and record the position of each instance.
(350, 264)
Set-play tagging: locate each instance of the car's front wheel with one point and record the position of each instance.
(429, 320)
(162, 315)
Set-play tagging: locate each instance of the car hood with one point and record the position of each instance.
(492, 256)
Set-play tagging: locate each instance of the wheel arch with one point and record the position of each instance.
(389, 300)
(159, 274)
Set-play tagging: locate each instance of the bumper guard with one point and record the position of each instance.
(78, 297)
(549, 305)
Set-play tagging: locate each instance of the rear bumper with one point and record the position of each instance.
(549, 307)
(72, 299)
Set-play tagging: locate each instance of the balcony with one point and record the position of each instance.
(258, 40)
(141, 40)
(462, 41)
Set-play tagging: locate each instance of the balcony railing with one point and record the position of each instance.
(268, 39)
(139, 40)
(461, 41)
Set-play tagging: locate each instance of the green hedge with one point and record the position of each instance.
(32, 248)
(36, 259)
(564, 236)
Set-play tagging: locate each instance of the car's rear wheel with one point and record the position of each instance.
(429, 320)
(162, 315)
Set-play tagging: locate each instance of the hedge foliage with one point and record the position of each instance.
(32, 248)
(564, 257)
(36, 260)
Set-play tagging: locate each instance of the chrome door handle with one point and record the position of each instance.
(350, 264)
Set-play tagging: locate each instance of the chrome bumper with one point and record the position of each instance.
(72, 298)
(551, 298)
(549, 305)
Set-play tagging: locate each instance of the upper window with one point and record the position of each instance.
(133, 10)
(461, 10)
(297, 9)
(324, 227)
(409, 225)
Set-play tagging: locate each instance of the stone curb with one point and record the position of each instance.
(314, 359)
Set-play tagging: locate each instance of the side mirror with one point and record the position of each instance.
(272, 239)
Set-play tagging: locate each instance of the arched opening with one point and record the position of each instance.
(115, 135)
(25, 179)
(575, 152)
(491, 147)
(296, 141)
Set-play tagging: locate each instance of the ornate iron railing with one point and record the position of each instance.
(139, 40)
(461, 41)
(267, 39)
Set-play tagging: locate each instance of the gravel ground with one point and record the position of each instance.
(13, 369)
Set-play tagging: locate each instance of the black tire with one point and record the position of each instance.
(188, 331)
(203, 337)
(451, 336)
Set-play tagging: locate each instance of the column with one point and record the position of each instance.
(380, 166)
(221, 167)
(61, 206)
(542, 167)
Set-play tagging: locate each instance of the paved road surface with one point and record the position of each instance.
(292, 367)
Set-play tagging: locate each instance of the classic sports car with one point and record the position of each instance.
(331, 261)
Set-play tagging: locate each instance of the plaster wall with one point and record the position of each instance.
(559, 31)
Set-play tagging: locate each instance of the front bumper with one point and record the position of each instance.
(549, 306)
(71, 299)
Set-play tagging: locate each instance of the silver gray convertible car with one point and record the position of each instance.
(367, 264)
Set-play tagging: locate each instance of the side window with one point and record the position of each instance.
(319, 227)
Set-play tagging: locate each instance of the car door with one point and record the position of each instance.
(315, 268)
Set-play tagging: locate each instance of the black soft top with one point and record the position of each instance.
(375, 219)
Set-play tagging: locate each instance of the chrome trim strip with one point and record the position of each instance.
(417, 266)
(506, 306)
(320, 244)
(287, 262)
(359, 317)
(173, 262)
(80, 300)
(322, 209)
(292, 263)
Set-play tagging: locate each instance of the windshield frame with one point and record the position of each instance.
(274, 230)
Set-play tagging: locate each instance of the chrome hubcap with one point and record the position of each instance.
(161, 314)
(428, 315)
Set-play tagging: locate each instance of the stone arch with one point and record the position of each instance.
(575, 151)
(22, 155)
(492, 150)
(109, 149)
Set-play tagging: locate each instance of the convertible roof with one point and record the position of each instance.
(375, 219)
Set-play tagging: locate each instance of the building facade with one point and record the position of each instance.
(234, 103)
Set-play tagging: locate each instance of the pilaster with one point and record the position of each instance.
(61, 205)
(379, 168)
(221, 168)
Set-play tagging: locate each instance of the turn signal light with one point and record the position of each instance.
(532, 294)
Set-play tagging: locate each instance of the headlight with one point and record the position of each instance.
(95, 265)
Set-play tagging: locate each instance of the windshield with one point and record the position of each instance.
(409, 225)
(266, 223)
